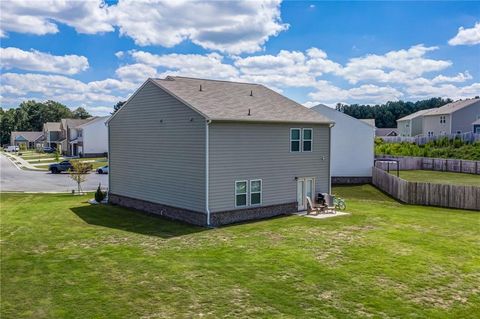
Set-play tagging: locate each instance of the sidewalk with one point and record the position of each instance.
(21, 163)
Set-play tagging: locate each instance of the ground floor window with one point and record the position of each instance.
(240, 193)
(255, 192)
(248, 192)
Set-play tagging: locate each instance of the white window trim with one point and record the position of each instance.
(250, 192)
(246, 193)
(311, 139)
(299, 141)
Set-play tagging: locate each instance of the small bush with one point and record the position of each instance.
(99, 195)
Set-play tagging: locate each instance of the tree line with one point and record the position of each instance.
(30, 116)
(386, 115)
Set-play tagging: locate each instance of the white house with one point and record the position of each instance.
(352, 147)
(92, 137)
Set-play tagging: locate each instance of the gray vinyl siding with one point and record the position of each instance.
(403, 128)
(462, 119)
(161, 162)
(245, 151)
(417, 126)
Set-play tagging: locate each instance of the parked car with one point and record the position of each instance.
(103, 170)
(48, 149)
(11, 148)
(57, 168)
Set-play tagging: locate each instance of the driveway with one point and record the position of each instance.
(17, 180)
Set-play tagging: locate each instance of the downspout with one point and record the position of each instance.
(108, 161)
(330, 158)
(207, 171)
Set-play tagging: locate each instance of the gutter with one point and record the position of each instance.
(207, 171)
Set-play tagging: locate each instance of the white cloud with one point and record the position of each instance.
(193, 65)
(18, 87)
(444, 90)
(39, 61)
(469, 36)
(136, 73)
(367, 93)
(393, 67)
(228, 26)
(39, 17)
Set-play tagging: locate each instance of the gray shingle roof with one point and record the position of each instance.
(415, 115)
(231, 101)
(73, 123)
(385, 131)
(52, 126)
(31, 136)
(452, 107)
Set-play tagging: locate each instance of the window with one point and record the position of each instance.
(295, 140)
(256, 192)
(301, 139)
(459, 132)
(430, 134)
(240, 193)
(442, 119)
(307, 140)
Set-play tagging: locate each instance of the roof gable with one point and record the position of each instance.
(332, 113)
(415, 115)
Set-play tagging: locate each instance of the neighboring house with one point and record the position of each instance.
(92, 138)
(386, 132)
(476, 126)
(29, 139)
(216, 152)
(412, 125)
(352, 146)
(69, 135)
(52, 135)
(452, 118)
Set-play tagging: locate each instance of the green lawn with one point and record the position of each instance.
(63, 258)
(98, 162)
(440, 177)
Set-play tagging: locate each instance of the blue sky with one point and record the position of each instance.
(92, 54)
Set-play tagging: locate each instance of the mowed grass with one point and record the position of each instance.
(64, 258)
(439, 177)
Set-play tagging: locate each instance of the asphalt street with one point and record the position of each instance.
(13, 179)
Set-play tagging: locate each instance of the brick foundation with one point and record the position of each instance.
(343, 180)
(199, 218)
(240, 215)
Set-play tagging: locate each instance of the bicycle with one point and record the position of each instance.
(339, 203)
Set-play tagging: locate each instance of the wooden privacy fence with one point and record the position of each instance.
(443, 195)
(434, 164)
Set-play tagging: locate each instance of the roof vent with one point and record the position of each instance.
(251, 92)
(200, 88)
(249, 112)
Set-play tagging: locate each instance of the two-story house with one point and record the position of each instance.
(69, 134)
(52, 135)
(216, 152)
(92, 138)
(452, 118)
(412, 124)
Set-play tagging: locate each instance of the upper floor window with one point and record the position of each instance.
(295, 140)
(307, 140)
(301, 140)
(442, 119)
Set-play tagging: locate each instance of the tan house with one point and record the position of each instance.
(452, 118)
(28, 139)
(69, 137)
(52, 134)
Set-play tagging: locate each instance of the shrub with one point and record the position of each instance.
(99, 195)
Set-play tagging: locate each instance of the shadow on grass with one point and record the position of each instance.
(133, 221)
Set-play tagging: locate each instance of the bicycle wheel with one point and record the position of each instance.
(342, 205)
